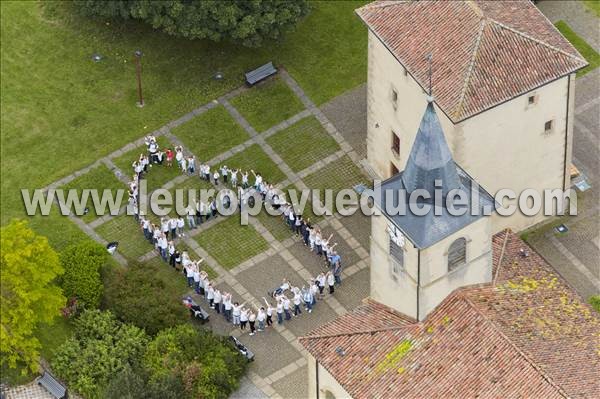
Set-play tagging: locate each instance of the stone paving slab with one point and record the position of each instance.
(306, 322)
(267, 275)
(359, 227)
(354, 289)
(348, 113)
(293, 386)
(273, 352)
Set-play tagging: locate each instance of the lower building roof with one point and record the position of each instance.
(527, 334)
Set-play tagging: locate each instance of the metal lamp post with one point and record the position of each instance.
(138, 70)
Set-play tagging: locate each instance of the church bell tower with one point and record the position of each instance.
(417, 260)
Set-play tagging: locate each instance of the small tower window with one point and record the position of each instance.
(457, 254)
(548, 126)
(394, 98)
(397, 255)
(393, 169)
(395, 144)
(531, 100)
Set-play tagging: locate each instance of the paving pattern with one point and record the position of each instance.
(576, 254)
(280, 367)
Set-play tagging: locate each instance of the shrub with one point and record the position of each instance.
(100, 349)
(142, 296)
(595, 302)
(205, 363)
(82, 263)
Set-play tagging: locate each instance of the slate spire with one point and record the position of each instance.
(430, 158)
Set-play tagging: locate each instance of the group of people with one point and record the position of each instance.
(289, 301)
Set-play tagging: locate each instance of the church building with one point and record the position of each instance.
(504, 84)
(460, 306)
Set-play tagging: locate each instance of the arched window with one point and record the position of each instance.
(457, 254)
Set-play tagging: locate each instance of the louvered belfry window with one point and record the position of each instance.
(397, 253)
(457, 254)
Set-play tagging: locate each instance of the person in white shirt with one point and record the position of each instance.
(164, 226)
(261, 317)
(191, 166)
(228, 306)
(331, 282)
(236, 311)
(216, 176)
(196, 271)
(314, 288)
(318, 241)
(297, 301)
(210, 295)
(224, 173)
(279, 308)
(189, 273)
(321, 279)
(180, 226)
(308, 299)
(245, 180)
(163, 244)
(257, 179)
(179, 156)
(243, 318)
(217, 300)
(286, 307)
(269, 312)
(251, 322)
(191, 217)
(173, 228)
(234, 177)
(183, 164)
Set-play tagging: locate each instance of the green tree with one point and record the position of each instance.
(101, 348)
(28, 269)
(141, 296)
(246, 21)
(82, 263)
(205, 363)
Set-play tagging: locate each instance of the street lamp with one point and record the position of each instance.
(138, 70)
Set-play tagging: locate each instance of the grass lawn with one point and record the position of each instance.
(126, 231)
(303, 144)
(267, 104)
(275, 225)
(594, 6)
(231, 243)
(99, 178)
(255, 158)
(591, 56)
(157, 175)
(338, 175)
(52, 88)
(191, 183)
(211, 133)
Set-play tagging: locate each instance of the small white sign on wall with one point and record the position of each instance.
(396, 235)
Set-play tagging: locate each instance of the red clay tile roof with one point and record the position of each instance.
(527, 335)
(484, 52)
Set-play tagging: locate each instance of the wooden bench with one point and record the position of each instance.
(260, 73)
(55, 388)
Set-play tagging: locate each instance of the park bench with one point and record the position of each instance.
(260, 73)
(54, 387)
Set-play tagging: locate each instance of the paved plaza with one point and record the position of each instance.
(576, 254)
(279, 369)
